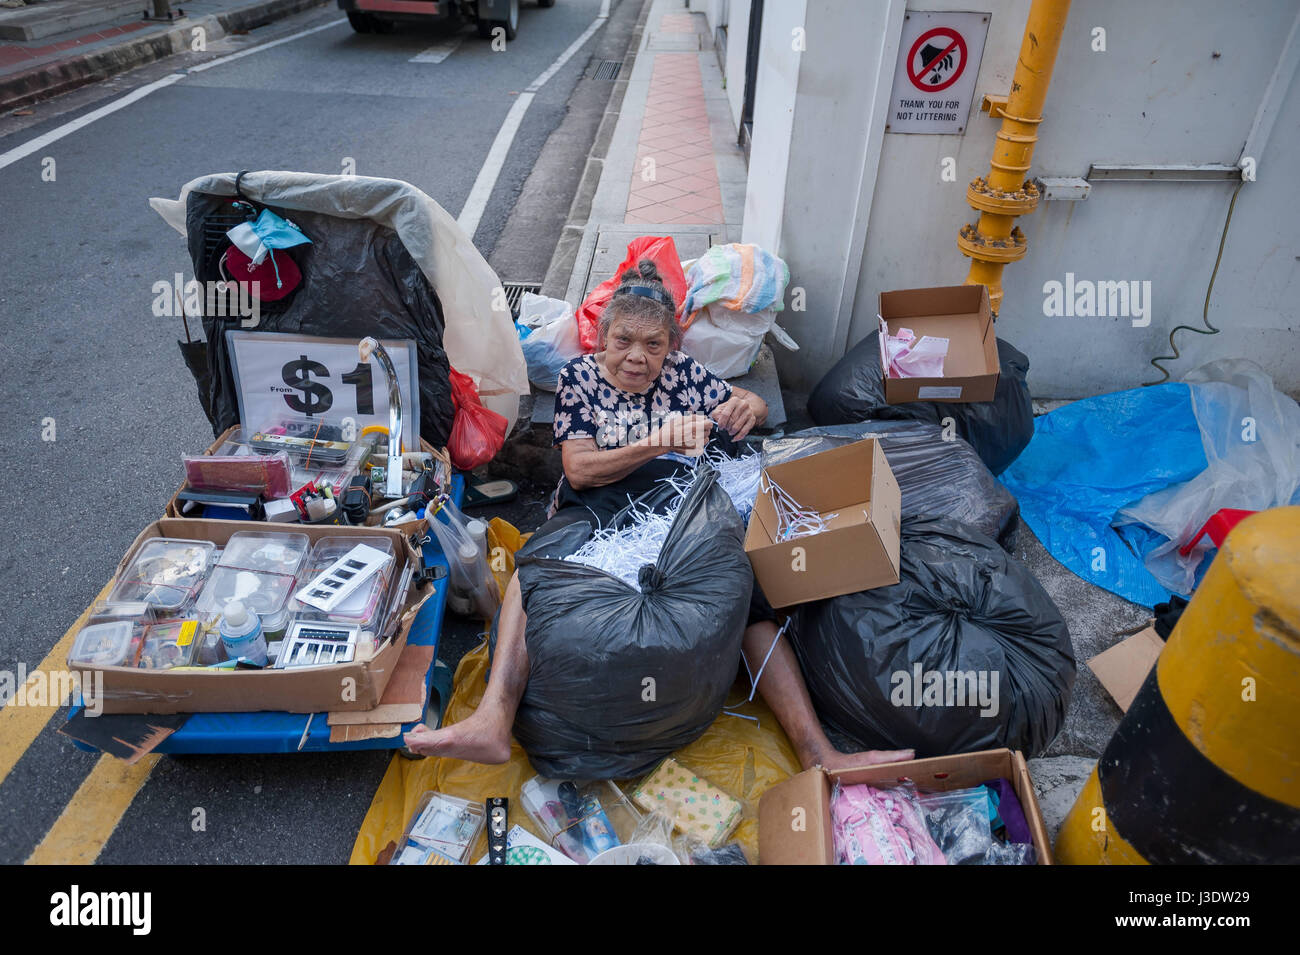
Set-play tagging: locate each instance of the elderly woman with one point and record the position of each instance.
(625, 418)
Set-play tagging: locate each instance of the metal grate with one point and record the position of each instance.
(515, 293)
(606, 70)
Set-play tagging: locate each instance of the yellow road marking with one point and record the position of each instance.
(20, 725)
(91, 816)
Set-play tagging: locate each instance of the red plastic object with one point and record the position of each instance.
(477, 432)
(1217, 527)
(662, 251)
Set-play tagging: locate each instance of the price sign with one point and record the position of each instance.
(280, 376)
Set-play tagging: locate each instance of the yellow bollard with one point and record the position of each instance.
(1205, 765)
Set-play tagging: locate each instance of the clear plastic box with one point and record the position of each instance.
(165, 573)
(169, 643)
(580, 818)
(259, 568)
(443, 829)
(115, 643)
(363, 605)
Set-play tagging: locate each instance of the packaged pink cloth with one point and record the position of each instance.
(880, 827)
(906, 356)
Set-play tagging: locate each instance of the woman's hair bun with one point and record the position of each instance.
(644, 271)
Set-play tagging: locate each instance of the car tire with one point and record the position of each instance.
(361, 22)
(510, 25)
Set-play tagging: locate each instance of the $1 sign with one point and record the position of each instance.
(316, 397)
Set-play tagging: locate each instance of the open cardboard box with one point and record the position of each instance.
(173, 508)
(1123, 668)
(794, 817)
(959, 313)
(858, 551)
(358, 685)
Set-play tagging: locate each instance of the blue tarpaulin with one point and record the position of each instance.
(1092, 457)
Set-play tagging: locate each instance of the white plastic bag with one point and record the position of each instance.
(553, 341)
(1251, 435)
(727, 342)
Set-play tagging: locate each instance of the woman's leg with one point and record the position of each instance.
(484, 735)
(784, 691)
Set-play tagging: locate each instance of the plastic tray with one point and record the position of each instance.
(259, 568)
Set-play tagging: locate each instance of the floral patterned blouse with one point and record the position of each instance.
(588, 406)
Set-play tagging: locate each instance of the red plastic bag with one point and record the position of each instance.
(477, 433)
(662, 251)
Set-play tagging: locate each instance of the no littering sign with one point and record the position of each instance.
(938, 63)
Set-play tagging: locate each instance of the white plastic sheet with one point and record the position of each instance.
(1251, 435)
(480, 340)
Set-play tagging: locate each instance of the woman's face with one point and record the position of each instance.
(634, 353)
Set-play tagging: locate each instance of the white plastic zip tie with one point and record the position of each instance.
(792, 518)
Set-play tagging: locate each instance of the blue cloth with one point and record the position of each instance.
(1092, 457)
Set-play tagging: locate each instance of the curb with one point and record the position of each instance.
(560, 271)
(62, 76)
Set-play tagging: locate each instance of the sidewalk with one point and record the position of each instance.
(71, 43)
(673, 167)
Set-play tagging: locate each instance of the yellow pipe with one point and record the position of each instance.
(1005, 193)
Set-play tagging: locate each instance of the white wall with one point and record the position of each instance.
(809, 191)
(737, 44)
(1157, 95)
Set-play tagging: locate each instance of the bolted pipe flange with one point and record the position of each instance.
(1011, 249)
(987, 198)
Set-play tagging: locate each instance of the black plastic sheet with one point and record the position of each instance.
(358, 279)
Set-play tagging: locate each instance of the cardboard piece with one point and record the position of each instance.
(404, 697)
(794, 817)
(1123, 668)
(859, 551)
(358, 685)
(959, 313)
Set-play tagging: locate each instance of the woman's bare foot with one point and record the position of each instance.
(478, 738)
(834, 759)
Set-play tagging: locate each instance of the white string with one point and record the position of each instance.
(753, 680)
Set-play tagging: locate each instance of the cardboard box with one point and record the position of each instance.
(304, 690)
(794, 817)
(959, 313)
(1123, 668)
(859, 551)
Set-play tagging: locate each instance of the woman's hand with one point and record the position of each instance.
(736, 416)
(685, 433)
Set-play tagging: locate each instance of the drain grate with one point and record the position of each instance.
(515, 293)
(606, 70)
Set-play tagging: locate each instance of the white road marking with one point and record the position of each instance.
(477, 202)
(438, 52)
(59, 132)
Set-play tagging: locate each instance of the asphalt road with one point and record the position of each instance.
(81, 346)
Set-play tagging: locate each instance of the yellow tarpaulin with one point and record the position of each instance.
(737, 755)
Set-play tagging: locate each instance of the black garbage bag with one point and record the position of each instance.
(937, 477)
(966, 618)
(358, 279)
(998, 430)
(595, 644)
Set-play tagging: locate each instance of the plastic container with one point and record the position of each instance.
(257, 568)
(364, 604)
(309, 441)
(241, 634)
(112, 644)
(171, 643)
(275, 624)
(165, 573)
(633, 853)
(443, 829)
